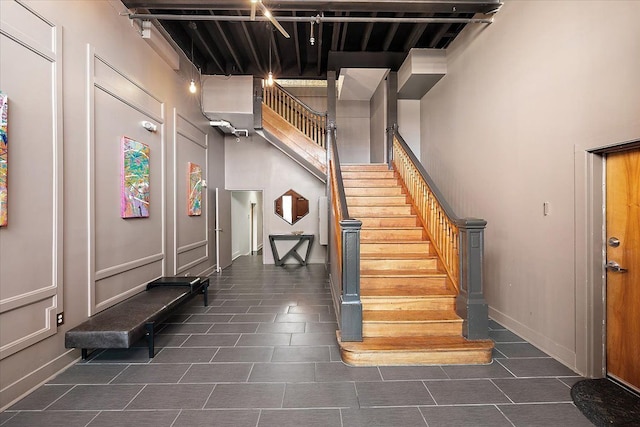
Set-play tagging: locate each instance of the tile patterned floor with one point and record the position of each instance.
(264, 354)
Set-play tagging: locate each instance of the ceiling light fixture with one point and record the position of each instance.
(312, 39)
(270, 75)
(192, 84)
(267, 14)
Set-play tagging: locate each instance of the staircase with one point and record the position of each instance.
(408, 300)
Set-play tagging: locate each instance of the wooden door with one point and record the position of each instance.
(623, 282)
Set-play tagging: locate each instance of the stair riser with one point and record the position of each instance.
(356, 211)
(376, 191)
(397, 329)
(391, 234)
(368, 174)
(407, 303)
(424, 357)
(395, 248)
(376, 201)
(399, 264)
(425, 283)
(410, 221)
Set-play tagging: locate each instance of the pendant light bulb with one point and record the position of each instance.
(270, 79)
(192, 86)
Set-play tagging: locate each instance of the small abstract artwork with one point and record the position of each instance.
(135, 179)
(4, 160)
(194, 198)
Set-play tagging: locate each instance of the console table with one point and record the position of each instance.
(293, 252)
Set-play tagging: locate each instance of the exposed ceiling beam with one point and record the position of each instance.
(319, 43)
(252, 47)
(392, 33)
(415, 35)
(205, 45)
(227, 43)
(438, 35)
(318, 19)
(345, 27)
(367, 34)
(297, 44)
(336, 33)
(410, 6)
(274, 48)
(391, 60)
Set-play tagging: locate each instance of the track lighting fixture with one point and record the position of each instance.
(312, 39)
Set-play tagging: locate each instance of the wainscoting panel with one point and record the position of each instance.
(124, 254)
(31, 297)
(191, 235)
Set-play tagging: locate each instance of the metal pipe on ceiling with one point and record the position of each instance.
(316, 19)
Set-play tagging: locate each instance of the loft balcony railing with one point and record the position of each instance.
(310, 122)
(459, 242)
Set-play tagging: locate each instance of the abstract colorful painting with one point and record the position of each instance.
(135, 179)
(194, 198)
(4, 160)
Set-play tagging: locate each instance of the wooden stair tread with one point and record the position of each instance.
(400, 293)
(370, 182)
(401, 273)
(403, 344)
(405, 255)
(391, 242)
(364, 166)
(384, 215)
(410, 316)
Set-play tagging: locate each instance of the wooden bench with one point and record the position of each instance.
(125, 323)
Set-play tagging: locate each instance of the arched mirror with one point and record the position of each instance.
(291, 207)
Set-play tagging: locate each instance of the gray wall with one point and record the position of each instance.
(66, 249)
(378, 124)
(352, 121)
(409, 123)
(506, 130)
(257, 165)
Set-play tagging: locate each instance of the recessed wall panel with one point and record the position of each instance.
(117, 287)
(191, 232)
(30, 297)
(124, 253)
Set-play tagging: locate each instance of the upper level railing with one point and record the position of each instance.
(310, 122)
(344, 249)
(459, 242)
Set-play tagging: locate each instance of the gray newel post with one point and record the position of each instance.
(351, 306)
(470, 303)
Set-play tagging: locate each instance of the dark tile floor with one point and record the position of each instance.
(264, 354)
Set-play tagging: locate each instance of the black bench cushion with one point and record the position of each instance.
(123, 324)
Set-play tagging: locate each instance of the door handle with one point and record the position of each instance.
(614, 266)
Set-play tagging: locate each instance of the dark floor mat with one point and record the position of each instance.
(606, 403)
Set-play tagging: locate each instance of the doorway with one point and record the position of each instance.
(246, 223)
(622, 236)
(592, 253)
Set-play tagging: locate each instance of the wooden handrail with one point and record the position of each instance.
(459, 242)
(308, 121)
(440, 224)
(345, 244)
